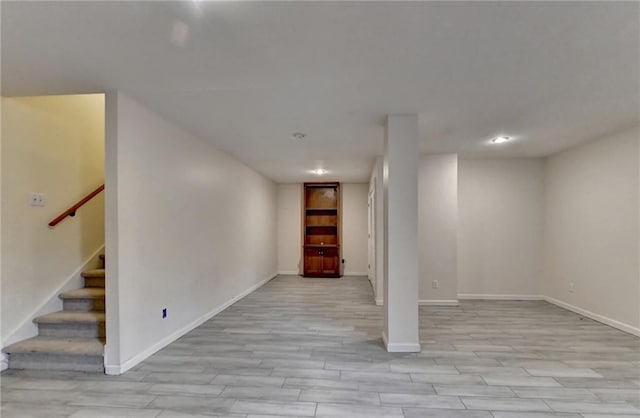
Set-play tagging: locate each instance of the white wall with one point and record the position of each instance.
(438, 228)
(194, 229)
(591, 228)
(52, 145)
(500, 230)
(354, 228)
(289, 229)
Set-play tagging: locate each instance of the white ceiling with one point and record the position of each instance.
(247, 75)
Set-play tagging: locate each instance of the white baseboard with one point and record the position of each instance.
(400, 347)
(4, 361)
(596, 317)
(27, 329)
(288, 273)
(117, 369)
(379, 302)
(438, 302)
(483, 296)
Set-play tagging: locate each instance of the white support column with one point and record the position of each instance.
(400, 331)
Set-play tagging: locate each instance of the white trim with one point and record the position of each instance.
(438, 302)
(4, 362)
(596, 317)
(117, 369)
(379, 302)
(482, 296)
(27, 329)
(289, 273)
(400, 347)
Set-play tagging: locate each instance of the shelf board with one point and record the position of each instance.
(321, 226)
(320, 246)
(321, 209)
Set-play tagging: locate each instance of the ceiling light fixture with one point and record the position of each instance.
(298, 135)
(319, 171)
(500, 139)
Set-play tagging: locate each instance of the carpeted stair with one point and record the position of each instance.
(71, 339)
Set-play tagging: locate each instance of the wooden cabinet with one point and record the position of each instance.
(321, 230)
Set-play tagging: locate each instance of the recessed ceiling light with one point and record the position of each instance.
(319, 171)
(500, 139)
(298, 135)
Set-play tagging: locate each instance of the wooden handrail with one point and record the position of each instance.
(72, 210)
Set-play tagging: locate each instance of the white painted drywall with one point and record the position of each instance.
(196, 228)
(289, 228)
(354, 228)
(52, 145)
(438, 227)
(401, 166)
(591, 227)
(500, 228)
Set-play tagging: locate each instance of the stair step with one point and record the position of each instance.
(86, 299)
(72, 324)
(85, 293)
(95, 282)
(42, 361)
(94, 278)
(70, 317)
(48, 345)
(44, 353)
(94, 273)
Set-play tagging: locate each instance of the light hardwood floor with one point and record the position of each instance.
(312, 347)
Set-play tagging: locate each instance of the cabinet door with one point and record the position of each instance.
(312, 261)
(330, 262)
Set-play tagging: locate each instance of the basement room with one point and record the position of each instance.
(355, 209)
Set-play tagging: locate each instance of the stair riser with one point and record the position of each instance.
(94, 282)
(83, 305)
(72, 330)
(41, 361)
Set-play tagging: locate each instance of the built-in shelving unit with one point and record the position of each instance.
(321, 229)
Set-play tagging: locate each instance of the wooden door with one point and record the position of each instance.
(330, 262)
(313, 263)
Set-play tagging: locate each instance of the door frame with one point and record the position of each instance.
(371, 234)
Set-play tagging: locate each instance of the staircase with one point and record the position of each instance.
(71, 339)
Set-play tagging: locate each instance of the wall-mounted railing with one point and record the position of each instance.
(72, 210)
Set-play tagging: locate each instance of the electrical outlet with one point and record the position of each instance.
(435, 284)
(164, 313)
(571, 287)
(36, 199)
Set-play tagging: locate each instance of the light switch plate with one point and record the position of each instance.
(36, 199)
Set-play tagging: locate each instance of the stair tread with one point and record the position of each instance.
(84, 293)
(71, 317)
(94, 273)
(50, 345)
